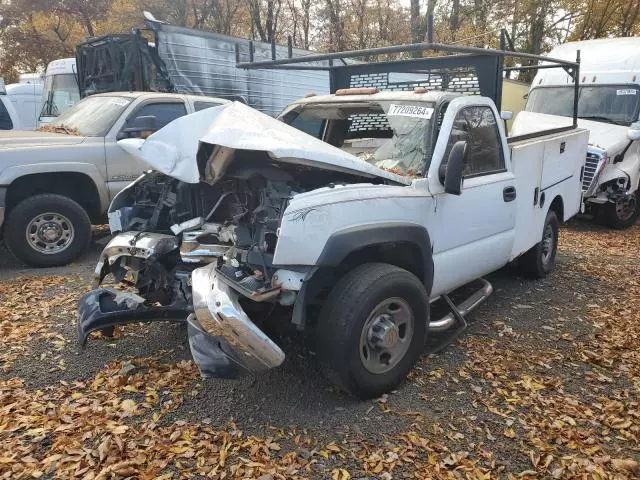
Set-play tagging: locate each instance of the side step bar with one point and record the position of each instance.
(467, 306)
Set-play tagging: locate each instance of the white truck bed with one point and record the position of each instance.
(540, 178)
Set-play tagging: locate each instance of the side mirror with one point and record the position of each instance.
(506, 115)
(141, 124)
(452, 171)
(633, 134)
(145, 123)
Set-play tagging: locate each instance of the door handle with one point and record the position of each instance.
(509, 194)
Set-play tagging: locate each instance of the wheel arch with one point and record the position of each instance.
(77, 186)
(405, 245)
(557, 206)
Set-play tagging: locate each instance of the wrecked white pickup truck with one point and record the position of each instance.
(410, 196)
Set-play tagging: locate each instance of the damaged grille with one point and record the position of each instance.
(591, 169)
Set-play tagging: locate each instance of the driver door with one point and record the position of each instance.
(123, 168)
(475, 234)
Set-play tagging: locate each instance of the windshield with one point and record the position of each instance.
(60, 92)
(605, 103)
(92, 117)
(392, 135)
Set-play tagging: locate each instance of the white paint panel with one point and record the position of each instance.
(473, 232)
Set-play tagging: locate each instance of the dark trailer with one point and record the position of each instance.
(467, 70)
(168, 58)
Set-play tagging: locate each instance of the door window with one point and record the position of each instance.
(5, 118)
(478, 127)
(200, 105)
(164, 112)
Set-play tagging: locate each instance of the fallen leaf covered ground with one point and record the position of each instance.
(545, 384)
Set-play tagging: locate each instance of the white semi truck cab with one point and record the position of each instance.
(20, 104)
(60, 90)
(608, 106)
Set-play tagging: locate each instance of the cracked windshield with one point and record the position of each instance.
(391, 135)
(92, 117)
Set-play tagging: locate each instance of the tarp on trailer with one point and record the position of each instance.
(204, 63)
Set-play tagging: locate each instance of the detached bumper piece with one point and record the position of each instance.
(104, 308)
(223, 339)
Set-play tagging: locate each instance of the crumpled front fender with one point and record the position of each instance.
(220, 316)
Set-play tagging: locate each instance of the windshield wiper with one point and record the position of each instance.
(600, 118)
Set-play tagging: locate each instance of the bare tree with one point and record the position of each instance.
(265, 16)
(336, 24)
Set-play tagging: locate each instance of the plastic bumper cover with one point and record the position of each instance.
(221, 336)
(103, 308)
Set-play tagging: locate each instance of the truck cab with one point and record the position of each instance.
(26, 98)
(608, 106)
(9, 119)
(60, 90)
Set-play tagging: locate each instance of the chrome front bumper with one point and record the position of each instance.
(133, 244)
(220, 324)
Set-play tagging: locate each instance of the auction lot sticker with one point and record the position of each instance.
(417, 111)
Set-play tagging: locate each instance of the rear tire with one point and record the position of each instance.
(622, 214)
(540, 260)
(47, 230)
(372, 329)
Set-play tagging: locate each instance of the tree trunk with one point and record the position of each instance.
(87, 23)
(454, 21)
(256, 19)
(416, 21)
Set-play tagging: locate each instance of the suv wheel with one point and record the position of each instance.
(47, 230)
(372, 329)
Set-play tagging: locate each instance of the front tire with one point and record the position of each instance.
(622, 214)
(540, 260)
(47, 230)
(372, 329)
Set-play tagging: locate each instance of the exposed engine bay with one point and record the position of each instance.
(233, 223)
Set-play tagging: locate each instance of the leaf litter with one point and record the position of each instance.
(559, 403)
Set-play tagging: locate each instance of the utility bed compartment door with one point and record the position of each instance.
(564, 160)
(546, 167)
(526, 161)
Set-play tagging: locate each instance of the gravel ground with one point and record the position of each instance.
(445, 391)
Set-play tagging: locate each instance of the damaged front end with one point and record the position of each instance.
(196, 238)
(195, 261)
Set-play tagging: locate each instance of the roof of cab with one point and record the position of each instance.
(24, 89)
(135, 95)
(428, 96)
(602, 61)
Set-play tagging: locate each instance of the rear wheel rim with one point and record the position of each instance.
(548, 241)
(50, 233)
(386, 335)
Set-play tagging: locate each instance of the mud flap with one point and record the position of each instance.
(103, 308)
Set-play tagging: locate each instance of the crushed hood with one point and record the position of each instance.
(172, 150)
(29, 138)
(608, 136)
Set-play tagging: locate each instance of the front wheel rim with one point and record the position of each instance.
(50, 233)
(386, 335)
(626, 208)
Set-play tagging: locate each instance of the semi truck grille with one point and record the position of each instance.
(591, 168)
